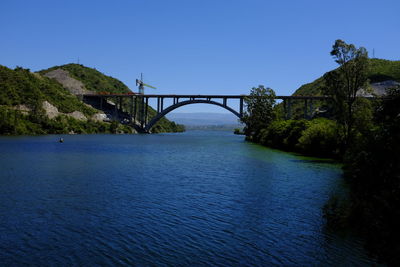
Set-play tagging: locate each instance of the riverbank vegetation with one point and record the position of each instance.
(364, 134)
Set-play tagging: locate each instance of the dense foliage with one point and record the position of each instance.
(317, 137)
(372, 169)
(20, 86)
(343, 84)
(14, 122)
(259, 111)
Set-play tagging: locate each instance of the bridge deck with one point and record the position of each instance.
(202, 96)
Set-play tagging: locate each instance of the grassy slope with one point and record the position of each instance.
(99, 82)
(20, 86)
(380, 70)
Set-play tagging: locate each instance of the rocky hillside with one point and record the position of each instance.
(79, 79)
(46, 102)
(383, 74)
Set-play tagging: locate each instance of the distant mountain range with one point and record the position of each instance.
(204, 119)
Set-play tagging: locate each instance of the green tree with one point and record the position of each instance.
(259, 111)
(344, 83)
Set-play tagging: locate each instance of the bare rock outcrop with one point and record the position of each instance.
(23, 108)
(71, 84)
(77, 115)
(378, 89)
(99, 117)
(51, 111)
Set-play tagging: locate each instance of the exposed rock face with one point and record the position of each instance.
(72, 85)
(23, 108)
(99, 117)
(378, 89)
(77, 115)
(51, 111)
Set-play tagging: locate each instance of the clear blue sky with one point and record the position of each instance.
(193, 46)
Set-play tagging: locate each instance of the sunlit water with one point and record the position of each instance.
(197, 198)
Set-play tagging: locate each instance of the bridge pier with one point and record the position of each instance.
(241, 107)
(287, 107)
(305, 109)
(131, 111)
(115, 108)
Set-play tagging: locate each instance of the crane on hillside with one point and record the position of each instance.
(141, 84)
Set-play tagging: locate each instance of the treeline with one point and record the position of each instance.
(363, 134)
(15, 122)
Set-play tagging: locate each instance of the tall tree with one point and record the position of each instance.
(344, 83)
(259, 111)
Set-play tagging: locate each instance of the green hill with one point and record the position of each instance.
(380, 70)
(95, 81)
(31, 103)
(92, 79)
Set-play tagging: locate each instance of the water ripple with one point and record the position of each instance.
(201, 199)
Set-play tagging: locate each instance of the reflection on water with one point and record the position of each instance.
(197, 198)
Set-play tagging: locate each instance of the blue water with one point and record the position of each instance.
(190, 199)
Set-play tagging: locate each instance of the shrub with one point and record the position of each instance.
(320, 138)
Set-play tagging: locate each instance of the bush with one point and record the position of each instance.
(283, 134)
(320, 138)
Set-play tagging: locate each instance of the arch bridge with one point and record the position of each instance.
(134, 108)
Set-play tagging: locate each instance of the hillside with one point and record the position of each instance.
(382, 74)
(88, 79)
(380, 70)
(92, 79)
(32, 103)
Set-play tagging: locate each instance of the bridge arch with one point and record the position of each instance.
(156, 118)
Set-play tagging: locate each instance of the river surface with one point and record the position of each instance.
(190, 199)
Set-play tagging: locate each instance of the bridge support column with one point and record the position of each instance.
(224, 101)
(146, 110)
(135, 109)
(288, 108)
(131, 110)
(162, 104)
(305, 109)
(116, 108)
(142, 111)
(241, 107)
(311, 109)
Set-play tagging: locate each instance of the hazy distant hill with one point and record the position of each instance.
(204, 118)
